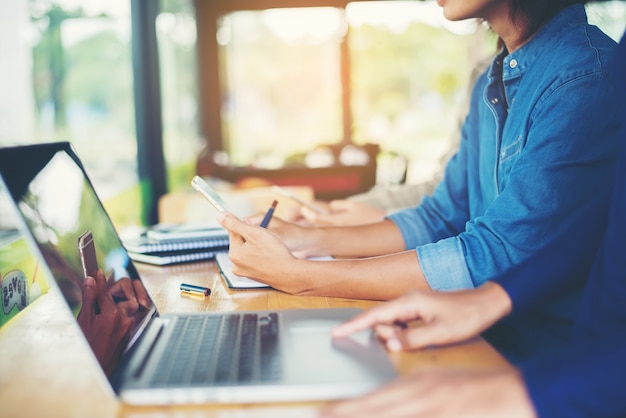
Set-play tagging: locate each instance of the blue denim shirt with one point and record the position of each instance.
(535, 161)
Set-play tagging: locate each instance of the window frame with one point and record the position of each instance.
(207, 15)
(151, 169)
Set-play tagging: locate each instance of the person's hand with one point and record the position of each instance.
(442, 394)
(444, 317)
(105, 326)
(343, 212)
(258, 253)
(296, 237)
(131, 297)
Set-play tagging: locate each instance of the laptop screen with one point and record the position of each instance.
(58, 203)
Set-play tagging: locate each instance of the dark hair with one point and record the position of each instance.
(532, 14)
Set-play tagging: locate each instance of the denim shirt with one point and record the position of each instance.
(534, 166)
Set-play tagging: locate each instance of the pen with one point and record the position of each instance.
(197, 290)
(268, 215)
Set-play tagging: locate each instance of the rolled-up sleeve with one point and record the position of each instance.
(444, 266)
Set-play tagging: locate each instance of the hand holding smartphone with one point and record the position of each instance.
(87, 251)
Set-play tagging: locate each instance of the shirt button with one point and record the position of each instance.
(513, 63)
(494, 100)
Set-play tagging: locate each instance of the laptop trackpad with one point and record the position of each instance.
(311, 351)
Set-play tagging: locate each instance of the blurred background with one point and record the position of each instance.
(341, 95)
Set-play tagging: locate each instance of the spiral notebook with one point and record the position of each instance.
(165, 244)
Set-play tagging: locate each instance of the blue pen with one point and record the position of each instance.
(268, 215)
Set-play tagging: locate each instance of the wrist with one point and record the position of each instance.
(495, 300)
(317, 241)
(300, 277)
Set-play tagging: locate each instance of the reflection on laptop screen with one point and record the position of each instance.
(58, 204)
(21, 279)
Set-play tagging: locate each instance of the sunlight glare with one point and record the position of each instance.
(313, 25)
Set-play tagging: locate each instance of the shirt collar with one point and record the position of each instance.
(513, 65)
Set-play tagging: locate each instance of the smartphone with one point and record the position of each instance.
(209, 194)
(300, 200)
(87, 251)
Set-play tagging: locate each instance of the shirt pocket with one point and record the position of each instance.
(509, 154)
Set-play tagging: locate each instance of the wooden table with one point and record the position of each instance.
(46, 369)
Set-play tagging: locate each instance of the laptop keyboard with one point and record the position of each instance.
(235, 348)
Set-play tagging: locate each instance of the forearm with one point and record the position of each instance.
(355, 241)
(376, 278)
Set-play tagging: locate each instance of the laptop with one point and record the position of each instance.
(154, 358)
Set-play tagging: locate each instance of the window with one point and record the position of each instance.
(279, 70)
(72, 81)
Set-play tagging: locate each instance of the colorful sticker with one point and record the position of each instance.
(14, 291)
(21, 280)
